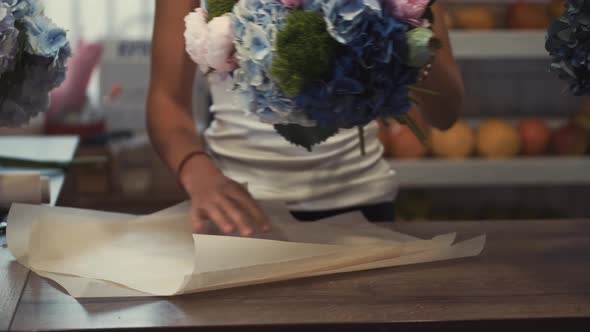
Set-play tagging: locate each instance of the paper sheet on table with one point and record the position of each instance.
(99, 254)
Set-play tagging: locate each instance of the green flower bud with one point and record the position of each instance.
(421, 47)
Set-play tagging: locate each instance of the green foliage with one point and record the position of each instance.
(304, 51)
(219, 7)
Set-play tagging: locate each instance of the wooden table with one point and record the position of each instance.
(533, 275)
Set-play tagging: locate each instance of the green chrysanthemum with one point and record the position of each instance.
(217, 8)
(304, 50)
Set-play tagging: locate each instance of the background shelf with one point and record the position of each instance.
(480, 172)
(495, 44)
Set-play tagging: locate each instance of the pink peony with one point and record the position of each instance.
(195, 37)
(220, 44)
(409, 11)
(292, 3)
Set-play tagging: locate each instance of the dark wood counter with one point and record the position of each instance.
(533, 275)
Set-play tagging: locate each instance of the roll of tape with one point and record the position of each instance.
(27, 188)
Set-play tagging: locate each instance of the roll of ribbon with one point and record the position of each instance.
(29, 188)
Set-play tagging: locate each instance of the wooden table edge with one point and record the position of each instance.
(20, 296)
(9, 315)
(517, 324)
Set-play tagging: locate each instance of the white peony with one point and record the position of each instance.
(195, 36)
(220, 44)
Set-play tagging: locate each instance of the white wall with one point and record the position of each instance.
(98, 19)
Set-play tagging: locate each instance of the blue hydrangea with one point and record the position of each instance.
(28, 98)
(44, 38)
(272, 107)
(357, 95)
(568, 43)
(30, 70)
(383, 41)
(346, 19)
(45, 74)
(8, 40)
(256, 23)
(24, 8)
(370, 78)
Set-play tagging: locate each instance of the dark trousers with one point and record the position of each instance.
(383, 212)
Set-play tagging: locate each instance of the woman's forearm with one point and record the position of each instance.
(169, 105)
(172, 130)
(443, 109)
(215, 199)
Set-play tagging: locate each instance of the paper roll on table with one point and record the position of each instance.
(29, 188)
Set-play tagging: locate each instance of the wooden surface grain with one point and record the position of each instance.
(12, 282)
(535, 273)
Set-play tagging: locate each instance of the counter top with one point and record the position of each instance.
(533, 275)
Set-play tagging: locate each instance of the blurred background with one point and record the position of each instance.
(519, 152)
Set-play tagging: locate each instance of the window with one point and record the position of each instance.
(113, 21)
(103, 19)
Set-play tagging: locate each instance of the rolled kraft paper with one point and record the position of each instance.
(23, 188)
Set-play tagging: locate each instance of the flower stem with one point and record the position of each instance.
(415, 128)
(422, 90)
(362, 139)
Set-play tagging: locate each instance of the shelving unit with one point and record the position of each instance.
(479, 172)
(489, 48)
(506, 74)
(498, 44)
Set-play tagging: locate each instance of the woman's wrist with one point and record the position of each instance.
(195, 165)
(187, 158)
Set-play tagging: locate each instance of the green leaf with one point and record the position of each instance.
(306, 137)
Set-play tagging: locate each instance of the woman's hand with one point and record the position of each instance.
(218, 200)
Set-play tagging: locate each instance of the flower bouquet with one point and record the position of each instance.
(312, 67)
(33, 53)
